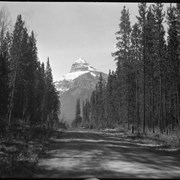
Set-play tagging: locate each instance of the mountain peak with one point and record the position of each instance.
(80, 60)
(81, 65)
(78, 68)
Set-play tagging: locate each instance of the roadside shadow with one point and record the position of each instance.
(90, 154)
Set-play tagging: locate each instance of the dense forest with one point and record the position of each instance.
(28, 97)
(143, 93)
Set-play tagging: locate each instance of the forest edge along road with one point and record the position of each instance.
(89, 154)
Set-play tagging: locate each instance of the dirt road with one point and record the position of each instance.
(98, 155)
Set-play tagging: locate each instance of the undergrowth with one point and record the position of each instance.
(171, 140)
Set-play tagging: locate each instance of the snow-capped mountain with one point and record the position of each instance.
(78, 83)
(77, 69)
(81, 65)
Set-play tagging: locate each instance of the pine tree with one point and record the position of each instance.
(159, 55)
(122, 56)
(137, 61)
(51, 99)
(173, 59)
(31, 70)
(4, 90)
(78, 118)
(142, 24)
(4, 78)
(84, 113)
(109, 103)
(16, 71)
(41, 86)
(178, 53)
(39, 93)
(150, 57)
(100, 107)
(93, 108)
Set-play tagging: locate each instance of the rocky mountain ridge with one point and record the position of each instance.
(78, 83)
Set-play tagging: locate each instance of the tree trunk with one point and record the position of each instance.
(144, 120)
(177, 104)
(150, 99)
(161, 106)
(165, 107)
(153, 104)
(137, 99)
(12, 94)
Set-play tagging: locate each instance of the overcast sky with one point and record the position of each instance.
(66, 31)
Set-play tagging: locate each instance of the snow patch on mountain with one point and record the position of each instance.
(78, 68)
(93, 74)
(90, 68)
(81, 61)
(73, 75)
(81, 65)
(63, 89)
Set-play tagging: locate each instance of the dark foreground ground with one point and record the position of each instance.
(83, 154)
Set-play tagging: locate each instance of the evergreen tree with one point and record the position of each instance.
(111, 110)
(39, 93)
(100, 107)
(137, 61)
(86, 113)
(4, 78)
(173, 59)
(159, 55)
(4, 90)
(16, 78)
(34, 98)
(122, 56)
(31, 70)
(178, 52)
(78, 118)
(142, 24)
(93, 108)
(51, 101)
(4, 67)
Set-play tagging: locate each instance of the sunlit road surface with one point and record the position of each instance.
(98, 155)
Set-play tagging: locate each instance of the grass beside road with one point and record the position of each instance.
(170, 142)
(19, 159)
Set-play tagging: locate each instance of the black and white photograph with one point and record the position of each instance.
(89, 90)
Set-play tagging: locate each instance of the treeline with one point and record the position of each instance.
(78, 119)
(27, 92)
(144, 91)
